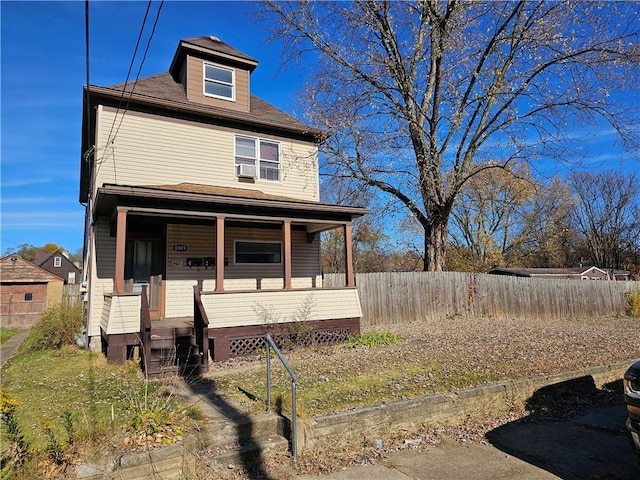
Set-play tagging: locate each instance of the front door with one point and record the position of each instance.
(143, 266)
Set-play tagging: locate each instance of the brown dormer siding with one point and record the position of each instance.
(195, 86)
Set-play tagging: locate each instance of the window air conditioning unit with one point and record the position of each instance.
(246, 171)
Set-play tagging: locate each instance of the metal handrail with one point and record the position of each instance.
(294, 430)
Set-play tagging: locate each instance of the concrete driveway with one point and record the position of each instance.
(591, 446)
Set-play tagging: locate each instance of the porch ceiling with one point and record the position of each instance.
(204, 201)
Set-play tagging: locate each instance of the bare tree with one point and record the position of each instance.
(607, 205)
(422, 96)
(489, 216)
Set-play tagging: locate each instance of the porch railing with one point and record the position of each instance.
(145, 328)
(201, 329)
(155, 293)
(294, 430)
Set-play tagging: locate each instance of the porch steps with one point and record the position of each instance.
(174, 351)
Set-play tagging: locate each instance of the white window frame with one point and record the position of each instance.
(235, 251)
(257, 160)
(57, 262)
(232, 98)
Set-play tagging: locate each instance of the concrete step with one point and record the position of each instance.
(249, 451)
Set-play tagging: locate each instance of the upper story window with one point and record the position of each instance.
(262, 155)
(219, 82)
(57, 261)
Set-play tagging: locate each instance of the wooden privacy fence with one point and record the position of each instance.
(71, 294)
(389, 298)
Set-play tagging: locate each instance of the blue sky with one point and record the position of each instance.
(43, 71)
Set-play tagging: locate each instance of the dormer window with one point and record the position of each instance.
(57, 262)
(219, 82)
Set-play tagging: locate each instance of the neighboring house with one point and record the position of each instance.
(27, 290)
(210, 197)
(577, 273)
(59, 264)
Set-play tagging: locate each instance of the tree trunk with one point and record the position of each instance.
(435, 242)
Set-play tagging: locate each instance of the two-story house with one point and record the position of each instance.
(59, 264)
(203, 213)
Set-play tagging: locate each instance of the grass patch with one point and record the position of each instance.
(69, 401)
(373, 339)
(6, 334)
(324, 388)
(47, 383)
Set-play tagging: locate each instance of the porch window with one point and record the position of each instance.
(219, 82)
(263, 155)
(246, 252)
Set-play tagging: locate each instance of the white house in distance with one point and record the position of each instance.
(203, 216)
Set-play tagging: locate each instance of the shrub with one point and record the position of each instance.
(57, 327)
(633, 303)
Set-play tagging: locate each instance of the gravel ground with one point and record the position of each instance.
(489, 349)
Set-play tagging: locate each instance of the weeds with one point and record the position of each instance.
(57, 327)
(54, 448)
(373, 339)
(17, 451)
(633, 303)
(292, 331)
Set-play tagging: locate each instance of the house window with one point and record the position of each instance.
(263, 155)
(28, 297)
(219, 82)
(257, 252)
(57, 261)
(71, 277)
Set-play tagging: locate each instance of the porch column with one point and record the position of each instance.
(219, 254)
(286, 260)
(121, 240)
(348, 256)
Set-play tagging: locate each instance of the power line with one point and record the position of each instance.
(133, 57)
(144, 57)
(86, 49)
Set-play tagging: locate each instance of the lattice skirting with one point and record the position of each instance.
(238, 341)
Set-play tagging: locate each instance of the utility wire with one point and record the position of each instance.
(135, 52)
(144, 57)
(86, 50)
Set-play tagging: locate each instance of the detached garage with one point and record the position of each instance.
(26, 291)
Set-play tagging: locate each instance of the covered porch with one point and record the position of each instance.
(234, 264)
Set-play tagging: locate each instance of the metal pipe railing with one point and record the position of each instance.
(294, 379)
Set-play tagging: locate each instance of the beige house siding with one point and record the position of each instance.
(101, 273)
(154, 150)
(200, 242)
(195, 85)
(121, 314)
(179, 298)
(106, 309)
(241, 309)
